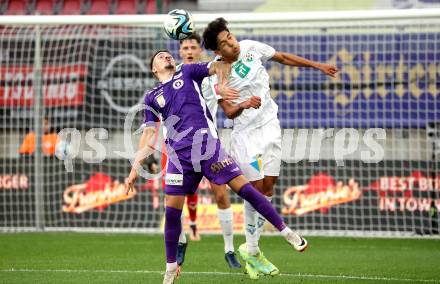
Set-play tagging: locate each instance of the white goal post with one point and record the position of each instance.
(360, 152)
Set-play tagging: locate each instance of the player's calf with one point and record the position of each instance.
(181, 251)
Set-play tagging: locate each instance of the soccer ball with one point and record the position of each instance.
(178, 24)
(62, 150)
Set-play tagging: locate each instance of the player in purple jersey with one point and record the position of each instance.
(194, 149)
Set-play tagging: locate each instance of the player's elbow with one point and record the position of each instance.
(231, 114)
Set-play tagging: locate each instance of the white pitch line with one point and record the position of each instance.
(299, 275)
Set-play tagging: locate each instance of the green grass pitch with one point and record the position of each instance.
(137, 258)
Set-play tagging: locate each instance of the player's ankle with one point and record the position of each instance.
(286, 231)
(253, 250)
(171, 266)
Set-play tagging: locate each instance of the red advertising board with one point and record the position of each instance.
(63, 85)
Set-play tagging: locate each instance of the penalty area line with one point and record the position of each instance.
(219, 273)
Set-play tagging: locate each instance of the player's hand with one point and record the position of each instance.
(252, 102)
(227, 93)
(328, 69)
(129, 182)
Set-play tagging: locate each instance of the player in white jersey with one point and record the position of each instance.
(256, 136)
(190, 51)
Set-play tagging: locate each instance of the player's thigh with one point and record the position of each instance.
(269, 185)
(220, 168)
(181, 180)
(272, 149)
(247, 150)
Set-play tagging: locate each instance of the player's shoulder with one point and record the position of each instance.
(247, 43)
(186, 67)
(151, 93)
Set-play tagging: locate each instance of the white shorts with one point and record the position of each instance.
(258, 151)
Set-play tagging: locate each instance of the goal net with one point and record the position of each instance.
(358, 150)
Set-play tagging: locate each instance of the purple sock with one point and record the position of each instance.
(173, 227)
(262, 205)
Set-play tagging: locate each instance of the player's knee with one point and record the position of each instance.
(220, 198)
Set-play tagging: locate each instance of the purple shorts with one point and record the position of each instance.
(183, 177)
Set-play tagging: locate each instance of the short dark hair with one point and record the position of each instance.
(154, 55)
(211, 32)
(195, 36)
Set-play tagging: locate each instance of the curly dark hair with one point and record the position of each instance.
(194, 36)
(211, 32)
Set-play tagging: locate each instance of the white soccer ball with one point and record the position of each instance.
(178, 24)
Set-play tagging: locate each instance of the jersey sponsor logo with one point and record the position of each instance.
(160, 100)
(217, 167)
(257, 163)
(241, 69)
(173, 179)
(178, 84)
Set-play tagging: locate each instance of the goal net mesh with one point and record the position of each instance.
(358, 150)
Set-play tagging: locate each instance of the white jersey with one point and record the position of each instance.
(250, 78)
(211, 97)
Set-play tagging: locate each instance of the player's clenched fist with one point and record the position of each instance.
(252, 102)
(328, 69)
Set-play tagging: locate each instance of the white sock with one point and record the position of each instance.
(182, 236)
(250, 220)
(225, 217)
(261, 220)
(286, 231)
(171, 266)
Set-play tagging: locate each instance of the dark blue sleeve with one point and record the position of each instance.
(197, 71)
(151, 115)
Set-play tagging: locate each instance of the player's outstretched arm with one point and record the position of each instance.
(233, 110)
(298, 61)
(145, 149)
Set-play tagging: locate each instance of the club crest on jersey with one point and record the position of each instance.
(160, 100)
(178, 84)
(249, 57)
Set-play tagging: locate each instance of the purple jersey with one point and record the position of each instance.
(181, 107)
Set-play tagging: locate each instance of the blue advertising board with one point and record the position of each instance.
(384, 80)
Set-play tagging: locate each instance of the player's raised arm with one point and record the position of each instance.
(145, 149)
(223, 70)
(298, 61)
